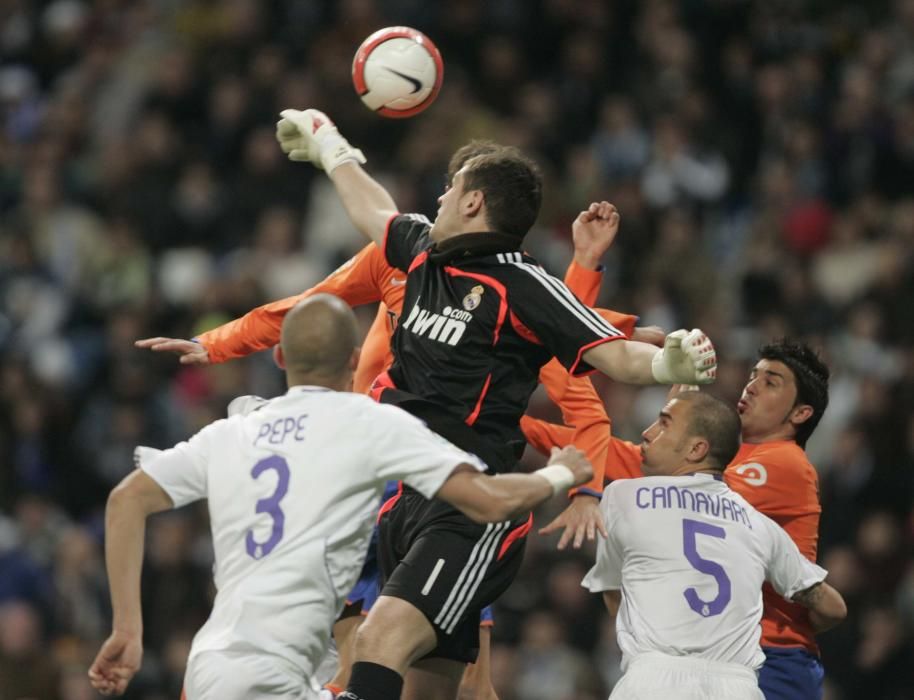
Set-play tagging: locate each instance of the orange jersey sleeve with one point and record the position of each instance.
(583, 282)
(587, 427)
(779, 481)
(583, 410)
(363, 279)
(581, 407)
(586, 286)
(543, 435)
(376, 355)
(623, 460)
(622, 322)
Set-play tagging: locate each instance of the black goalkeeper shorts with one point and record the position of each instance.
(449, 567)
(435, 557)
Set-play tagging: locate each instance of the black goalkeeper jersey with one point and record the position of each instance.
(476, 328)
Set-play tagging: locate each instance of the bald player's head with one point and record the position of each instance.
(319, 341)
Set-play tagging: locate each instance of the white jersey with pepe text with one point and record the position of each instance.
(690, 556)
(293, 491)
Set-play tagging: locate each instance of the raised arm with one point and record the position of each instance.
(311, 136)
(357, 281)
(593, 232)
(826, 606)
(582, 408)
(367, 203)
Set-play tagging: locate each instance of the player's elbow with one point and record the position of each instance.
(829, 611)
(835, 609)
(840, 611)
(121, 506)
(121, 496)
(138, 495)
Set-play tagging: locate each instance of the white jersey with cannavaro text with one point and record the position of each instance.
(293, 491)
(690, 556)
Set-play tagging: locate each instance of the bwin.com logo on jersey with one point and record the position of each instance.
(447, 327)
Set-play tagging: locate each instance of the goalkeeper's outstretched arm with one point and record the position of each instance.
(311, 136)
(367, 203)
(687, 357)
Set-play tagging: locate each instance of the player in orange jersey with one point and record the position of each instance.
(780, 407)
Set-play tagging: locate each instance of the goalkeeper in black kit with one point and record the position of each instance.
(480, 318)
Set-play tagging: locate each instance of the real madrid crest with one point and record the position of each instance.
(472, 300)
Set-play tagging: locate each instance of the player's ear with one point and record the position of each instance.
(699, 450)
(472, 202)
(801, 414)
(278, 357)
(354, 358)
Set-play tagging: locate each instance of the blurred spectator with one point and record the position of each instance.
(882, 658)
(620, 144)
(26, 669)
(550, 669)
(173, 579)
(21, 577)
(80, 589)
(676, 174)
(679, 239)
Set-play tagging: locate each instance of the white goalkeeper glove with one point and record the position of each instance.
(687, 357)
(310, 136)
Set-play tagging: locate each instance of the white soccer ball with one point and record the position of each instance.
(397, 72)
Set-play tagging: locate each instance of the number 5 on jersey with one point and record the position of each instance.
(706, 608)
(270, 505)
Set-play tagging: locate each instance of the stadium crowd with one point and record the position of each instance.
(761, 154)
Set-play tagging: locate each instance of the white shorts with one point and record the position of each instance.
(661, 677)
(221, 675)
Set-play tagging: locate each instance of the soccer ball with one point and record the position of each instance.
(397, 72)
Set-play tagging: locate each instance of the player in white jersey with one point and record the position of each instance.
(293, 488)
(685, 559)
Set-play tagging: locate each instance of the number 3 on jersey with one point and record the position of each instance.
(270, 505)
(706, 608)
